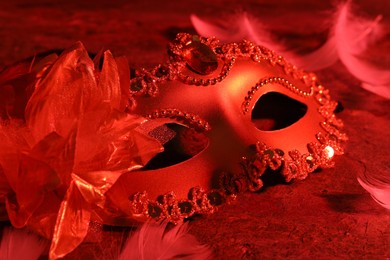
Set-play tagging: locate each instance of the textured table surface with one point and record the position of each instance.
(329, 215)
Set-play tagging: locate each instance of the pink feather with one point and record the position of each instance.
(350, 37)
(354, 36)
(242, 26)
(245, 26)
(155, 241)
(378, 185)
(20, 244)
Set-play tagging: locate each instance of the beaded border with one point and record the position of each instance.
(146, 82)
(188, 119)
(278, 80)
(168, 207)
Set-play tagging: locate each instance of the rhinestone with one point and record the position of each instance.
(270, 153)
(154, 211)
(200, 58)
(310, 161)
(185, 207)
(329, 151)
(136, 85)
(279, 152)
(162, 71)
(215, 198)
(219, 50)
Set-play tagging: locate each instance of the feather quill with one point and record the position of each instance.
(20, 244)
(153, 241)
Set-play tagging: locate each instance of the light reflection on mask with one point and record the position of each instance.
(214, 88)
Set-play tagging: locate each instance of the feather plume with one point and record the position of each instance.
(349, 39)
(354, 35)
(245, 26)
(323, 57)
(154, 241)
(378, 185)
(20, 244)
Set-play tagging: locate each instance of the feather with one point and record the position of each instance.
(354, 36)
(349, 40)
(20, 244)
(323, 57)
(154, 241)
(378, 185)
(383, 91)
(245, 26)
(242, 26)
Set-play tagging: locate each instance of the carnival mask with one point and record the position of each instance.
(244, 111)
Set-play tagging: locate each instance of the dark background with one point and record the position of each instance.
(329, 215)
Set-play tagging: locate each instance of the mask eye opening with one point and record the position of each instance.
(275, 111)
(185, 144)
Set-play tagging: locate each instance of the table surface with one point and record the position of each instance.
(328, 215)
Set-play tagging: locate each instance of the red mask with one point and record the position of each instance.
(246, 111)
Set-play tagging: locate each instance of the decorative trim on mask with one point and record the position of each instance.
(188, 119)
(296, 166)
(168, 207)
(207, 82)
(269, 80)
(146, 81)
